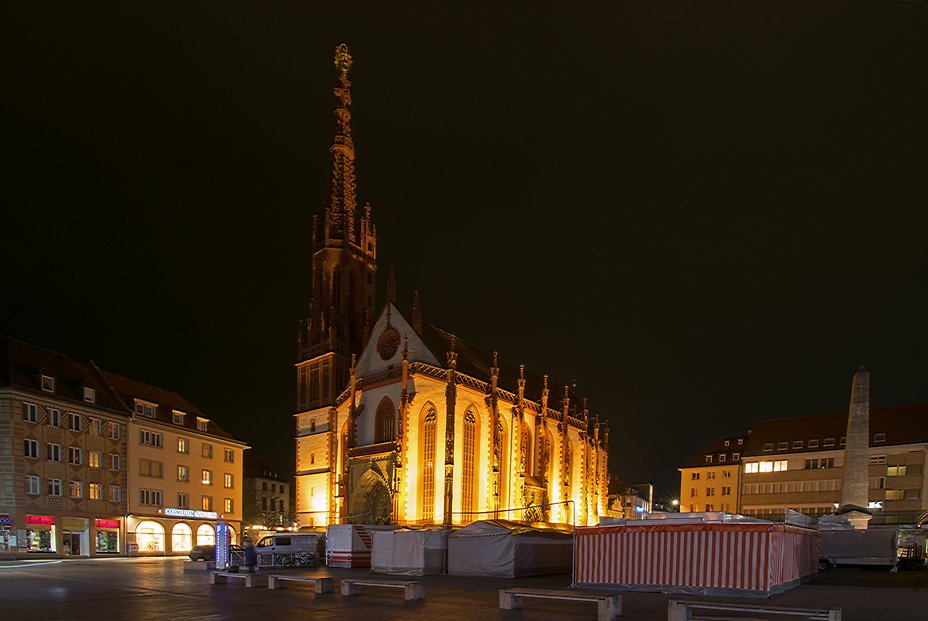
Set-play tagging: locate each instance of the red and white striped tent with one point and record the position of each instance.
(747, 558)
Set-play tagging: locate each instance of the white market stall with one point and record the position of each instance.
(408, 552)
(349, 545)
(508, 550)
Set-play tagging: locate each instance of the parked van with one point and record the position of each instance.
(291, 549)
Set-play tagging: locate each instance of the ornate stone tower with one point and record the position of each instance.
(343, 270)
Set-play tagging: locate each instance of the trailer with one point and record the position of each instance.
(873, 547)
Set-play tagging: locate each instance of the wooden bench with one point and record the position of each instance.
(411, 589)
(610, 604)
(322, 584)
(251, 580)
(686, 610)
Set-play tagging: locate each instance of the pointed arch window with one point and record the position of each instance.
(385, 421)
(468, 466)
(427, 506)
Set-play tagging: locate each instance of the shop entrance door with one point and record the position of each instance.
(71, 542)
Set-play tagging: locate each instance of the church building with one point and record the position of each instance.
(399, 421)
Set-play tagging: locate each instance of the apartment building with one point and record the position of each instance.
(63, 456)
(267, 496)
(711, 481)
(798, 463)
(185, 471)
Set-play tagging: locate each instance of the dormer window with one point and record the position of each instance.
(708, 459)
(813, 443)
(829, 442)
(782, 446)
(797, 444)
(879, 437)
(90, 395)
(727, 442)
(768, 446)
(721, 457)
(145, 409)
(48, 383)
(178, 418)
(202, 423)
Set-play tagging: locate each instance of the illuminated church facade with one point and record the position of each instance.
(398, 421)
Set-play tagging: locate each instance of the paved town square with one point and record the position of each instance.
(160, 589)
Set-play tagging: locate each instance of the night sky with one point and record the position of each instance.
(707, 214)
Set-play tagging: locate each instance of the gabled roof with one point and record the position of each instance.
(735, 444)
(902, 424)
(22, 366)
(166, 400)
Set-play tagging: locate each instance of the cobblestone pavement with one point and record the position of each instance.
(161, 589)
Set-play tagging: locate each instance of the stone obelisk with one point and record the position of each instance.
(857, 450)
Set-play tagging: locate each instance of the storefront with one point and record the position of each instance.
(75, 536)
(174, 533)
(106, 536)
(7, 536)
(41, 533)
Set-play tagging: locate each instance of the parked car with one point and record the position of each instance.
(207, 552)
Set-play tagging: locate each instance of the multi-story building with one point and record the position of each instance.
(95, 464)
(432, 429)
(185, 471)
(711, 481)
(266, 497)
(62, 456)
(798, 463)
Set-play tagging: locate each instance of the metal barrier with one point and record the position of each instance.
(291, 559)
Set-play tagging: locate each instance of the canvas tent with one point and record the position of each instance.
(410, 552)
(507, 549)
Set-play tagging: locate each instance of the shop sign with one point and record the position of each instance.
(106, 523)
(47, 520)
(191, 513)
(5, 519)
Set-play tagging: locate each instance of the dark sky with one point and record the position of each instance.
(708, 213)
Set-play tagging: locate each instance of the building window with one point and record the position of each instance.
(727, 442)
(178, 418)
(896, 471)
(48, 383)
(145, 409)
(693, 492)
(726, 491)
(30, 412)
(207, 451)
(427, 505)
(183, 500)
(31, 448)
(312, 458)
(312, 426)
(813, 443)
(694, 476)
(54, 417)
(207, 504)
(895, 494)
(96, 491)
(726, 474)
(710, 491)
(823, 462)
(384, 426)
(149, 438)
(708, 459)
(54, 452)
(710, 475)
(115, 493)
(879, 437)
(843, 441)
(735, 456)
(75, 490)
(202, 424)
(183, 473)
(90, 394)
(183, 445)
(878, 459)
(797, 444)
(207, 477)
(151, 468)
(721, 457)
(768, 447)
(782, 446)
(468, 465)
(74, 456)
(228, 506)
(75, 422)
(93, 459)
(228, 481)
(114, 461)
(54, 487)
(151, 497)
(96, 425)
(709, 508)
(828, 442)
(32, 485)
(113, 430)
(228, 456)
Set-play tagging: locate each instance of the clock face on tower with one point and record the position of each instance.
(388, 343)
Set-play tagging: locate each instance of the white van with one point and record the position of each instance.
(290, 550)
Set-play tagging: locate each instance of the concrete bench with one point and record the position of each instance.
(609, 604)
(322, 584)
(251, 580)
(411, 589)
(688, 610)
